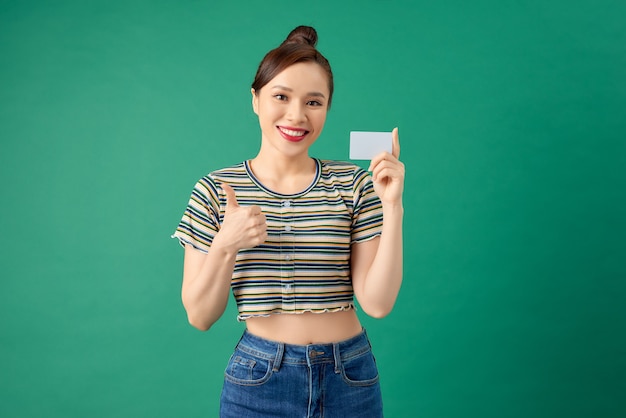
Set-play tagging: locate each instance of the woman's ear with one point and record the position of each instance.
(255, 101)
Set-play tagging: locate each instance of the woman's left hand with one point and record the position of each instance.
(388, 173)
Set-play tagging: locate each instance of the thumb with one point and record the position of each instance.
(231, 197)
(395, 143)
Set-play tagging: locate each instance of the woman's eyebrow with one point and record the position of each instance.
(314, 93)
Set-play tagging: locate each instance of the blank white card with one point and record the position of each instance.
(366, 145)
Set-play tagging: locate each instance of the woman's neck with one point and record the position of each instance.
(282, 174)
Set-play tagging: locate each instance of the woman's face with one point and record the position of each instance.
(292, 108)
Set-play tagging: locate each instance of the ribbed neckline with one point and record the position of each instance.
(318, 172)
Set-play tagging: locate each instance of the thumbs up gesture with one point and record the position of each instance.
(243, 226)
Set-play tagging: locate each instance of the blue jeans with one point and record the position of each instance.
(271, 379)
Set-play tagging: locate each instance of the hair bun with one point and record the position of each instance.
(302, 35)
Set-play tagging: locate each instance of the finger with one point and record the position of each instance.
(395, 143)
(255, 210)
(385, 156)
(262, 221)
(394, 167)
(377, 160)
(381, 159)
(231, 197)
(379, 173)
(260, 238)
(257, 234)
(386, 173)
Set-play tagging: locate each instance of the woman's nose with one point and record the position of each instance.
(296, 112)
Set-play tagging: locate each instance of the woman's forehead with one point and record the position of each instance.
(301, 77)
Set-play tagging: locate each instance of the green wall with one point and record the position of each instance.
(512, 119)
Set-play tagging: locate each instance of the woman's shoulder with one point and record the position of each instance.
(339, 166)
(225, 174)
(235, 170)
(211, 182)
(341, 169)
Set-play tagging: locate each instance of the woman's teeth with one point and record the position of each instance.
(292, 133)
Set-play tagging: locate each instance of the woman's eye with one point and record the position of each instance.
(280, 97)
(313, 103)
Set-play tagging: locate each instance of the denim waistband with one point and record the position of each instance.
(281, 353)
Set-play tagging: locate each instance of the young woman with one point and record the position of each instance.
(296, 238)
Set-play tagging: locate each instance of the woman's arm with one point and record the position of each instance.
(206, 284)
(207, 277)
(377, 264)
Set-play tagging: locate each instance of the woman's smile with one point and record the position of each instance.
(292, 134)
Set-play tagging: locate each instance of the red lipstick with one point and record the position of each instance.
(292, 134)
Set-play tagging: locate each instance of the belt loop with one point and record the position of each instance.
(337, 355)
(279, 357)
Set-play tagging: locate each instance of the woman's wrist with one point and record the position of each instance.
(218, 245)
(394, 208)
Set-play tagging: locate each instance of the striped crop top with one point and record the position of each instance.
(304, 265)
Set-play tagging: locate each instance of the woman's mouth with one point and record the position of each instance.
(292, 134)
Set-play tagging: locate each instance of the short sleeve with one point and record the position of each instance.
(201, 220)
(367, 216)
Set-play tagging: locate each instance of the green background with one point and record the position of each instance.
(512, 119)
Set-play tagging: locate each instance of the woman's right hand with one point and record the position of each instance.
(243, 226)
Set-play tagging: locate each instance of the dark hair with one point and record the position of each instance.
(298, 47)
